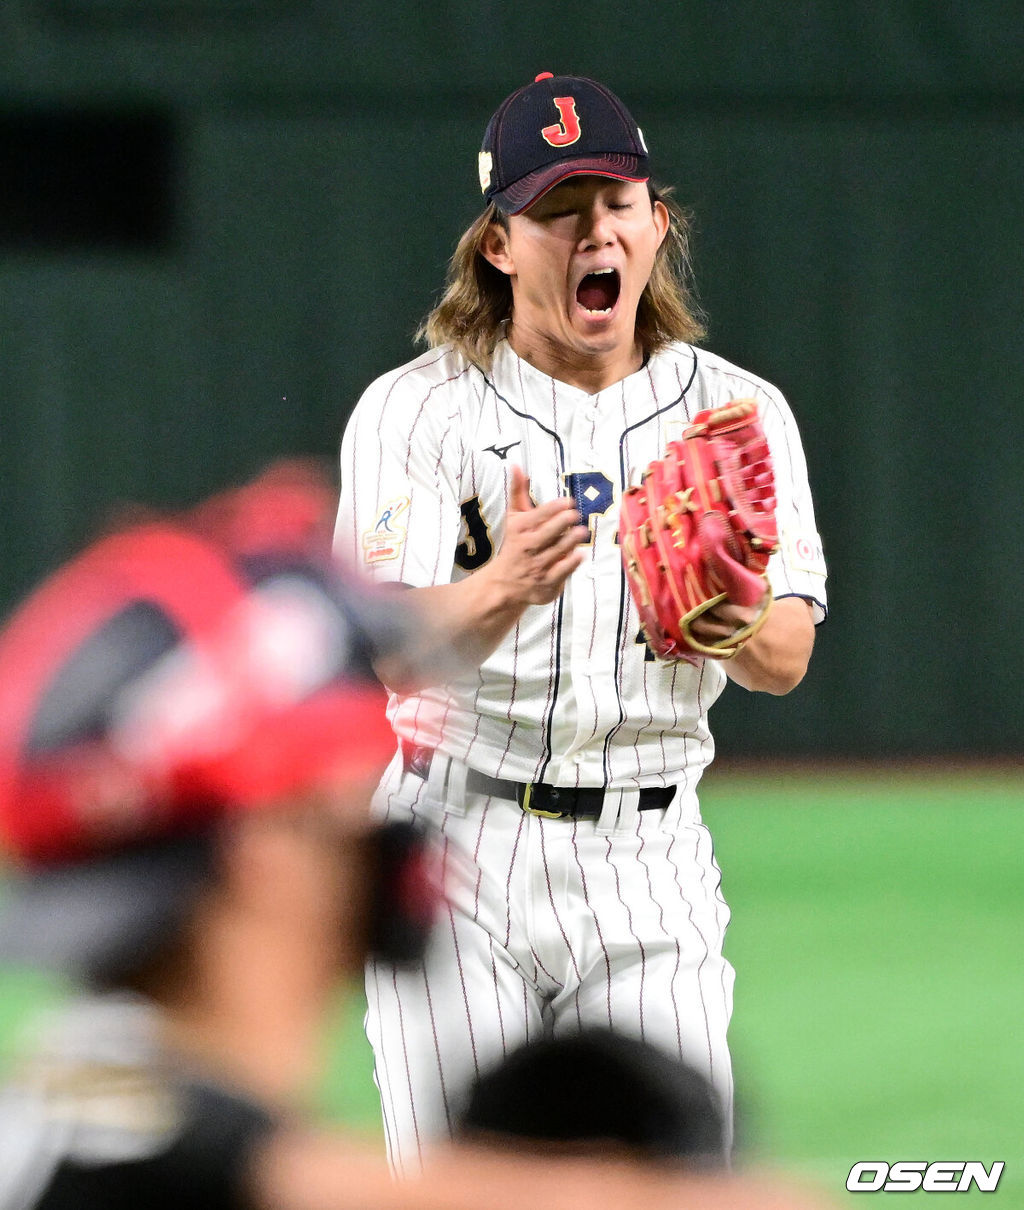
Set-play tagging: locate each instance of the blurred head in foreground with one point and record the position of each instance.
(190, 729)
(598, 1092)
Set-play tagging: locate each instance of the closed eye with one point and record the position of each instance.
(554, 215)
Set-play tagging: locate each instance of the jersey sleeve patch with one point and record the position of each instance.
(803, 552)
(385, 540)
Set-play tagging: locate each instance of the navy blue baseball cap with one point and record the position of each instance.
(554, 128)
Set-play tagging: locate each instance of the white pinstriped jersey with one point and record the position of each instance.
(572, 696)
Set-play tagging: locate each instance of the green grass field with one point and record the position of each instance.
(877, 936)
(878, 921)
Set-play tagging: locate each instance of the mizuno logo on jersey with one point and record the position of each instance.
(501, 450)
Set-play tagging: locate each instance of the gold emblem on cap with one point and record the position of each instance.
(484, 163)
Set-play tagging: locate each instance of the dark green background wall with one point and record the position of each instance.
(856, 171)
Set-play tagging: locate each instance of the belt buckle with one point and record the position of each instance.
(528, 809)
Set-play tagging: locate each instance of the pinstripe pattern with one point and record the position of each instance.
(569, 928)
(552, 924)
(563, 694)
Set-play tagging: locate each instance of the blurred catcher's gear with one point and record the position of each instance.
(185, 668)
(174, 673)
(699, 531)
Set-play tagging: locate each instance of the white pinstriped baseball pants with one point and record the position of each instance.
(550, 925)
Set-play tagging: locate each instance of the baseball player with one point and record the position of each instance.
(561, 768)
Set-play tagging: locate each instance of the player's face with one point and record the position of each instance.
(578, 261)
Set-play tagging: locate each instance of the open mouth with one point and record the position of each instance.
(598, 292)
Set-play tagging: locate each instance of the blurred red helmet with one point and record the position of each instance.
(189, 667)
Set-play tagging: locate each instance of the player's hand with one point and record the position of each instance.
(541, 547)
(723, 621)
(469, 618)
(776, 658)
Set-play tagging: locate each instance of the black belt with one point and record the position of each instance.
(534, 797)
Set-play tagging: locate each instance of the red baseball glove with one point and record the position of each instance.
(699, 531)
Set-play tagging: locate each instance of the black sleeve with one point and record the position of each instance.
(202, 1168)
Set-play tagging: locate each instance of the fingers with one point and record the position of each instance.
(546, 527)
(723, 621)
(539, 527)
(541, 553)
(519, 491)
(541, 547)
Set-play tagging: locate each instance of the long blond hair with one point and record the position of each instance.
(478, 297)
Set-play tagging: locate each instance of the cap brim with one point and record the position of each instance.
(94, 919)
(522, 194)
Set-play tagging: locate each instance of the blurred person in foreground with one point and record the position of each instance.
(189, 725)
(599, 1095)
(598, 1090)
(190, 728)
